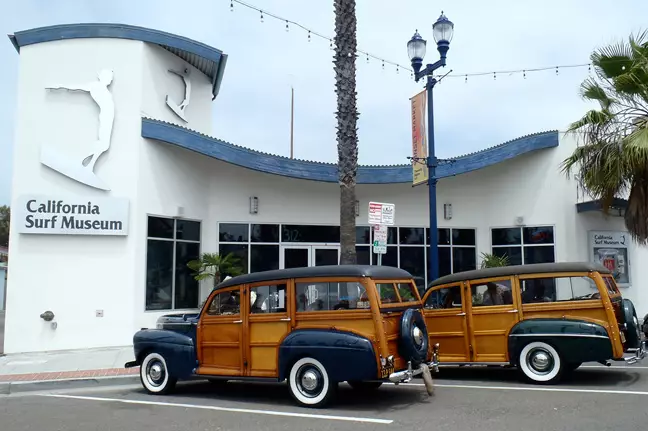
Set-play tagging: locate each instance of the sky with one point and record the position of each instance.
(265, 61)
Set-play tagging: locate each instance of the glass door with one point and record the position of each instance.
(298, 256)
(295, 256)
(325, 255)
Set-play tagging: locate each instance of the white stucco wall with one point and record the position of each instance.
(74, 276)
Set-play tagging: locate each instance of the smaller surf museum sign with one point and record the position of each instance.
(71, 216)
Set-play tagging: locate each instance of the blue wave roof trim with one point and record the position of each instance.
(327, 172)
(208, 60)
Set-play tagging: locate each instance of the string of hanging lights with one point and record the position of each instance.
(397, 66)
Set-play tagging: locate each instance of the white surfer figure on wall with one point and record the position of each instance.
(83, 171)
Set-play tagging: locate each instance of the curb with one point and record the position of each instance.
(8, 388)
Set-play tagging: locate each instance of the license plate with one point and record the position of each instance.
(386, 372)
(623, 339)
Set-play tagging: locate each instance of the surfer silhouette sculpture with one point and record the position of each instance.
(83, 170)
(179, 110)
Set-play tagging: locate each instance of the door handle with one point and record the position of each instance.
(461, 314)
(512, 311)
(237, 321)
(286, 319)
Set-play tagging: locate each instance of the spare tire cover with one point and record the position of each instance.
(414, 342)
(633, 334)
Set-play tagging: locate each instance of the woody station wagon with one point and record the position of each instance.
(545, 319)
(314, 327)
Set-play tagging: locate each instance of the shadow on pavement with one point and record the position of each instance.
(388, 398)
(582, 377)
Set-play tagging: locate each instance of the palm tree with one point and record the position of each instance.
(614, 157)
(216, 266)
(347, 118)
(5, 216)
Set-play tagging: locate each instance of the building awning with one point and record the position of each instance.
(618, 207)
(208, 60)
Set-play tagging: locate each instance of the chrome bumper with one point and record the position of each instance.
(407, 375)
(639, 354)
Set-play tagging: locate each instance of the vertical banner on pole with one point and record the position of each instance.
(419, 139)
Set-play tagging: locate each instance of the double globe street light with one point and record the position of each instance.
(442, 31)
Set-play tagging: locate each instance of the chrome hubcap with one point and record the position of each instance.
(540, 361)
(156, 372)
(309, 380)
(417, 334)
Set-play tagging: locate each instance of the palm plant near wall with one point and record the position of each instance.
(614, 156)
(213, 265)
(490, 260)
(347, 118)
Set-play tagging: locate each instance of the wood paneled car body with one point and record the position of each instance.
(545, 319)
(313, 327)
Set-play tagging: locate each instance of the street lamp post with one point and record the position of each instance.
(442, 30)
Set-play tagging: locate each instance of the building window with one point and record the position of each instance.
(524, 245)
(259, 246)
(171, 244)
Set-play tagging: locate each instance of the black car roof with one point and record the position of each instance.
(535, 268)
(373, 271)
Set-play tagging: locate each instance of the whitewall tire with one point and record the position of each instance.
(154, 375)
(310, 384)
(540, 363)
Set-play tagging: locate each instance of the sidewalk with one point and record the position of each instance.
(90, 365)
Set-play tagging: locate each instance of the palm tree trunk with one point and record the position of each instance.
(347, 118)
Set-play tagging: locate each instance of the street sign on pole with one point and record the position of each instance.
(381, 213)
(380, 239)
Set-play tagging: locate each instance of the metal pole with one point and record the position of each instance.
(292, 118)
(432, 183)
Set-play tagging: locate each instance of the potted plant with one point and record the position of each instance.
(215, 266)
(490, 260)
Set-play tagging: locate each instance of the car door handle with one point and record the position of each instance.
(237, 321)
(461, 314)
(512, 311)
(286, 319)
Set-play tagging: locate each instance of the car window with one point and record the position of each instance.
(225, 303)
(328, 296)
(611, 285)
(268, 299)
(496, 292)
(406, 292)
(387, 293)
(558, 289)
(447, 297)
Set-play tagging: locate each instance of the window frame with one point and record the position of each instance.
(174, 241)
(522, 244)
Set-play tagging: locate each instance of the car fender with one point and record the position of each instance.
(345, 355)
(576, 340)
(178, 350)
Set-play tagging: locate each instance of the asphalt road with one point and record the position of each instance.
(594, 398)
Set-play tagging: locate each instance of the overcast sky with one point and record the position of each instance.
(253, 108)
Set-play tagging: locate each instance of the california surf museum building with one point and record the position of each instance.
(119, 180)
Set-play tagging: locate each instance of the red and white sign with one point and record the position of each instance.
(381, 213)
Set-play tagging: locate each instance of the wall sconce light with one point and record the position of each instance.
(357, 208)
(254, 205)
(447, 211)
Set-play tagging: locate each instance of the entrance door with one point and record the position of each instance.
(269, 322)
(298, 256)
(495, 310)
(445, 318)
(220, 335)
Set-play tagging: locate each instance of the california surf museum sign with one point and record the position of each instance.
(37, 214)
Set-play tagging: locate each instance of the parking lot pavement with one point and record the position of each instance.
(491, 399)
